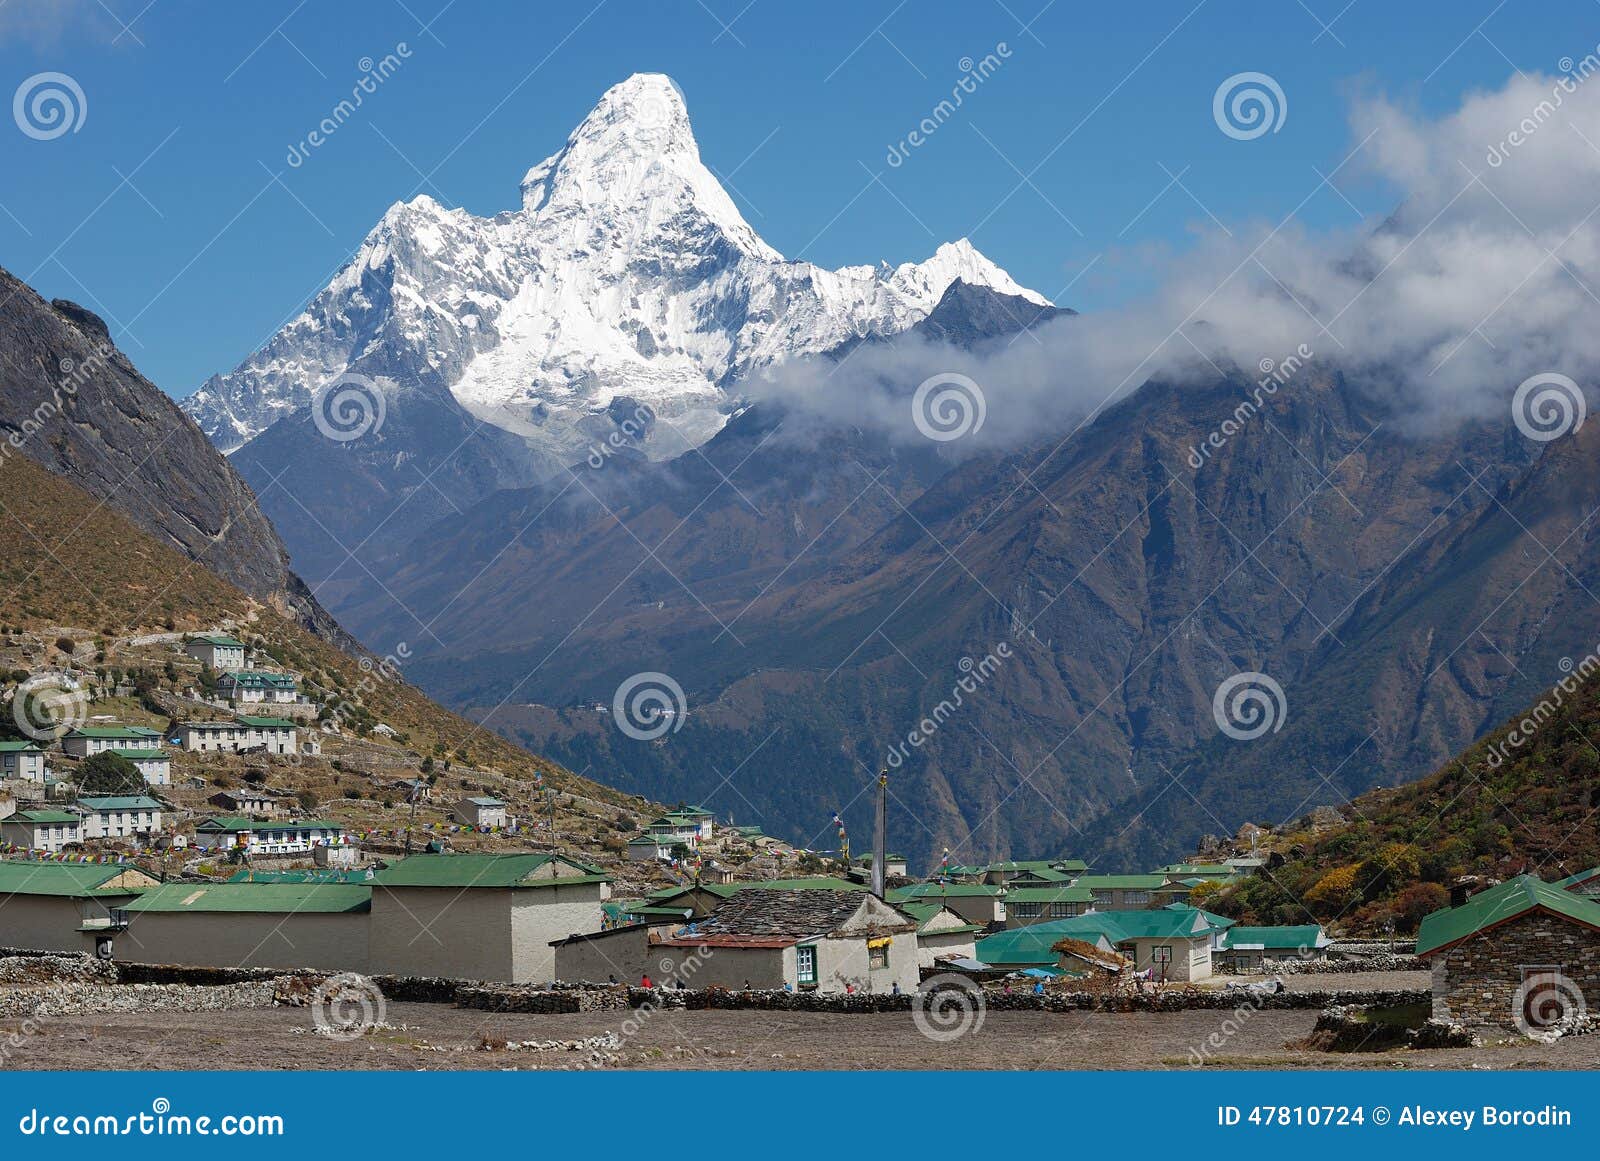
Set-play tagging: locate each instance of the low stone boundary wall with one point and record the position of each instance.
(570, 999)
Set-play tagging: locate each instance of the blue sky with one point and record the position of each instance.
(1087, 154)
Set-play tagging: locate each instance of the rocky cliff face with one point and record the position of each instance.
(73, 402)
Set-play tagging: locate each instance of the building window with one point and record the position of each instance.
(1136, 896)
(1063, 910)
(878, 956)
(1026, 910)
(1102, 897)
(806, 965)
(1161, 954)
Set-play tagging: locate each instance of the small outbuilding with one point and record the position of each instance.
(277, 925)
(1514, 956)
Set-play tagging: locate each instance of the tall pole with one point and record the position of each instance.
(880, 835)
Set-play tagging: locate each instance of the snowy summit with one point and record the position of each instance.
(627, 272)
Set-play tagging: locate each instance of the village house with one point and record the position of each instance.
(62, 907)
(1172, 944)
(1242, 949)
(22, 760)
(41, 830)
(274, 735)
(1585, 883)
(674, 906)
(267, 838)
(597, 957)
(258, 687)
(483, 812)
(941, 933)
(154, 766)
(483, 917)
(810, 940)
(696, 816)
(1123, 892)
(894, 866)
(1024, 873)
(122, 816)
(1028, 905)
(247, 801)
(216, 650)
(678, 830)
(980, 903)
(87, 741)
(321, 926)
(1511, 956)
(642, 848)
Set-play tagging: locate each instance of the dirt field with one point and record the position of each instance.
(431, 1036)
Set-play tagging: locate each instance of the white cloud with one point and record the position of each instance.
(1486, 273)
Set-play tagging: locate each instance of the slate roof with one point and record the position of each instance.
(1487, 909)
(782, 916)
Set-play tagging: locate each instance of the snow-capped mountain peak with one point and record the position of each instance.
(627, 272)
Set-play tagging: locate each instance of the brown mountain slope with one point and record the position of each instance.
(77, 569)
(76, 404)
(1524, 799)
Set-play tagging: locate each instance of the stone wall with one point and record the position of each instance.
(1476, 983)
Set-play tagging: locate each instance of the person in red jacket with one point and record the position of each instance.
(644, 981)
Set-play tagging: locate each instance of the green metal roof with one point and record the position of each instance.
(140, 755)
(266, 723)
(18, 877)
(121, 802)
(487, 871)
(1197, 869)
(1444, 929)
(229, 824)
(112, 732)
(41, 816)
(1072, 894)
(1031, 945)
(947, 891)
(1022, 947)
(20, 748)
(215, 639)
(258, 679)
(819, 883)
(287, 898)
(1121, 882)
(1580, 877)
(1305, 935)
